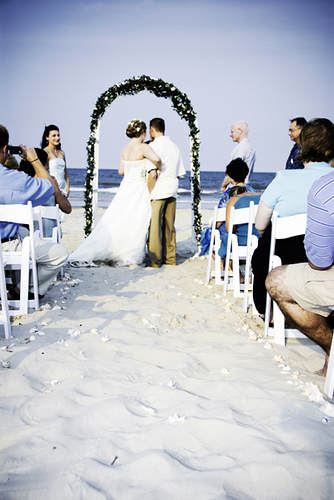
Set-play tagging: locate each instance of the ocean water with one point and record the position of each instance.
(210, 183)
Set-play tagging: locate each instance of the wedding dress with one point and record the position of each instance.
(121, 234)
(57, 170)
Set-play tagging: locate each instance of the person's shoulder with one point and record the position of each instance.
(12, 173)
(323, 182)
(18, 180)
(246, 199)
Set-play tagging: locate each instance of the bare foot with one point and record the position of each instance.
(323, 371)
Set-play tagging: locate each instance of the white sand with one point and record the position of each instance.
(141, 383)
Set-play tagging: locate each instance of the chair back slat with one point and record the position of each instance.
(4, 312)
(286, 227)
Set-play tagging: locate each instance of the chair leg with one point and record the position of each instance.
(4, 315)
(247, 285)
(279, 325)
(236, 273)
(329, 382)
(218, 270)
(208, 269)
(227, 266)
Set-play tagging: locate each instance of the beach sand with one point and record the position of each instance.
(141, 383)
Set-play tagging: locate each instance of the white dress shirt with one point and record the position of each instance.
(172, 167)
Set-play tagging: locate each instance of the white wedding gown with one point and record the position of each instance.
(121, 234)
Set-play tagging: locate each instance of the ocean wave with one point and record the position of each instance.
(112, 190)
(209, 191)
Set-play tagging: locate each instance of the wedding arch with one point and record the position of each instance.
(180, 103)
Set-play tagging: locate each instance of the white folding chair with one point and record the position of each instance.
(23, 260)
(329, 382)
(252, 243)
(282, 227)
(48, 212)
(239, 252)
(219, 215)
(4, 313)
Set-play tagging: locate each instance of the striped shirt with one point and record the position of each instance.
(319, 236)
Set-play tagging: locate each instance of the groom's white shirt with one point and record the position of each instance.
(172, 167)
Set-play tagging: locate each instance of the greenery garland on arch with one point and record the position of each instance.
(180, 103)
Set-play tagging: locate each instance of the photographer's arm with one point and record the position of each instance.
(67, 179)
(64, 205)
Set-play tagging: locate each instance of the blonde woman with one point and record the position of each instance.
(120, 236)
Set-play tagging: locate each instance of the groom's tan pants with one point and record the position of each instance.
(162, 236)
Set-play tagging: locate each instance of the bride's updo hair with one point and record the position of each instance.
(135, 128)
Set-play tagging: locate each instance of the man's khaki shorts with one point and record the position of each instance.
(313, 290)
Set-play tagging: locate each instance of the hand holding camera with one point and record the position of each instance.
(14, 150)
(24, 151)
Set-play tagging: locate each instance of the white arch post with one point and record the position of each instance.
(95, 198)
(193, 233)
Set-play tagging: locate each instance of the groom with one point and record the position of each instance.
(162, 235)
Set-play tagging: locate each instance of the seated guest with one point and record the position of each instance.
(18, 187)
(236, 173)
(287, 194)
(304, 292)
(239, 198)
(57, 198)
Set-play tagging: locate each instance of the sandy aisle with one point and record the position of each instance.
(146, 384)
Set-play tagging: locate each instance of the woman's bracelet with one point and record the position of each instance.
(32, 161)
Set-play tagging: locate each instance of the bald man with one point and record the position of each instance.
(243, 149)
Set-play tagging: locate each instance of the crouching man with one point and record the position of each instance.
(18, 187)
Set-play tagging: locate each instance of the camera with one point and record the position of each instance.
(14, 150)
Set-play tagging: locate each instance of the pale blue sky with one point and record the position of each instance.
(259, 61)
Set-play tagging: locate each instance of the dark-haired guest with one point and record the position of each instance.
(57, 161)
(58, 198)
(236, 173)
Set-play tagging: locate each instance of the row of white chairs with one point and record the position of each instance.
(282, 227)
(235, 252)
(23, 261)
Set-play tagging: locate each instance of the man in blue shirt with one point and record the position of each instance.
(19, 188)
(304, 292)
(296, 125)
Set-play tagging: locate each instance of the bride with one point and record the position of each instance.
(121, 234)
